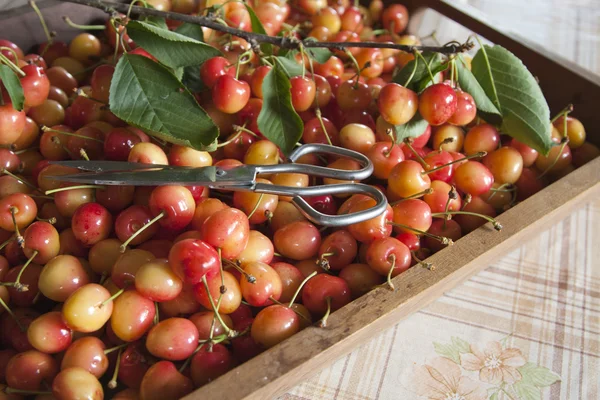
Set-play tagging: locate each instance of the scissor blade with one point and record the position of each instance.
(110, 166)
(205, 176)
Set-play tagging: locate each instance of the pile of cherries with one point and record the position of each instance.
(150, 292)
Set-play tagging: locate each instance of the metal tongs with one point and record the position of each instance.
(243, 178)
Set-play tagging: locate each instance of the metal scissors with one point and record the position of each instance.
(243, 178)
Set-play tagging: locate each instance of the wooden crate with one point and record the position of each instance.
(281, 367)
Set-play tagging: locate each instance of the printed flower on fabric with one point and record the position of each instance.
(495, 364)
(441, 379)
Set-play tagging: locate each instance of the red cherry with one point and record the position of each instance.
(438, 103)
(230, 95)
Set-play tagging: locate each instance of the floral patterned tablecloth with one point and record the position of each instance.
(528, 326)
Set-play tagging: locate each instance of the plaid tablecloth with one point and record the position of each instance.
(527, 327)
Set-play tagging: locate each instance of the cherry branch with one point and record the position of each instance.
(255, 38)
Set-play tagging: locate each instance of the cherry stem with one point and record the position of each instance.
(467, 200)
(244, 129)
(112, 384)
(300, 288)
(80, 92)
(250, 278)
(124, 245)
(9, 63)
(356, 65)
(63, 189)
(189, 359)
(322, 123)
(23, 181)
(256, 205)
(18, 285)
(497, 225)
(414, 196)
(412, 74)
(9, 390)
(323, 321)
(564, 112)
(408, 143)
(6, 242)
(156, 314)
(323, 262)
(10, 312)
(418, 54)
(564, 142)
(119, 347)
(47, 129)
(83, 27)
(476, 155)
(113, 297)
(13, 211)
(51, 220)
(505, 187)
(49, 35)
(233, 139)
(230, 332)
(425, 264)
(442, 239)
(12, 51)
(83, 154)
(452, 195)
(389, 275)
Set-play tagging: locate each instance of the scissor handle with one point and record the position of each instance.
(324, 219)
(324, 172)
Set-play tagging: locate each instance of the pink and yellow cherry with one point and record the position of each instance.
(575, 130)
(103, 255)
(267, 284)
(442, 198)
(131, 221)
(314, 133)
(274, 324)
(257, 79)
(134, 363)
(76, 383)
(447, 137)
(360, 279)
(163, 381)
(175, 203)
(449, 229)
(27, 370)
(188, 157)
(466, 110)
(438, 103)
(9, 161)
(207, 365)
(528, 154)
(325, 293)
(125, 268)
(291, 278)
(25, 276)
(214, 68)
(259, 248)
(204, 209)
(41, 242)
(49, 334)
(193, 259)
(84, 46)
(147, 153)
(229, 94)
(228, 230)
(22, 206)
(133, 315)
(204, 321)
(36, 85)
(172, 339)
(352, 95)
(258, 206)
(357, 137)
(157, 281)
(88, 308)
(230, 300)
(303, 91)
(584, 154)
(408, 179)
(61, 276)
(370, 62)
(439, 166)
(395, 18)
(530, 182)
(118, 143)
(469, 223)
(88, 353)
(91, 223)
(559, 158)
(505, 164)
(115, 198)
(388, 257)
(338, 250)
(12, 124)
(262, 152)
(483, 137)
(397, 104)
(411, 215)
(297, 240)
(473, 178)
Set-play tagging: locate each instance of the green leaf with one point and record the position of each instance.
(191, 79)
(319, 54)
(516, 94)
(469, 84)
(278, 121)
(191, 30)
(421, 78)
(448, 351)
(413, 128)
(147, 95)
(257, 27)
(538, 376)
(526, 391)
(289, 65)
(178, 72)
(13, 86)
(173, 49)
(461, 345)
(157, 21)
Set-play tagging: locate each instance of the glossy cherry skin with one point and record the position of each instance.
(157, 281)
(230, 300)
(28, 369)
(12, 124)
(397, 104)
(164, 381)
(289, 242)
(84, 310)
(132, 315)
(91, 223)
(413, 213)
(173, 339)
(322, 286)
(192, 259)
(268, 284)
(88, 353)
(36, 85)
(473, 178)
(407, 179)
(395, 18)
(374, 228)
(209, 365)
(61, 276)
(437, 103)
(41, 237)
(274, 324)
(227, 229)
(176, 202)
(360, 279)
(338, 249)
(229, 94)
(76, 383)
(25, 211)
(384, 253)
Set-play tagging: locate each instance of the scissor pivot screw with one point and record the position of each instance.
(221, 172)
